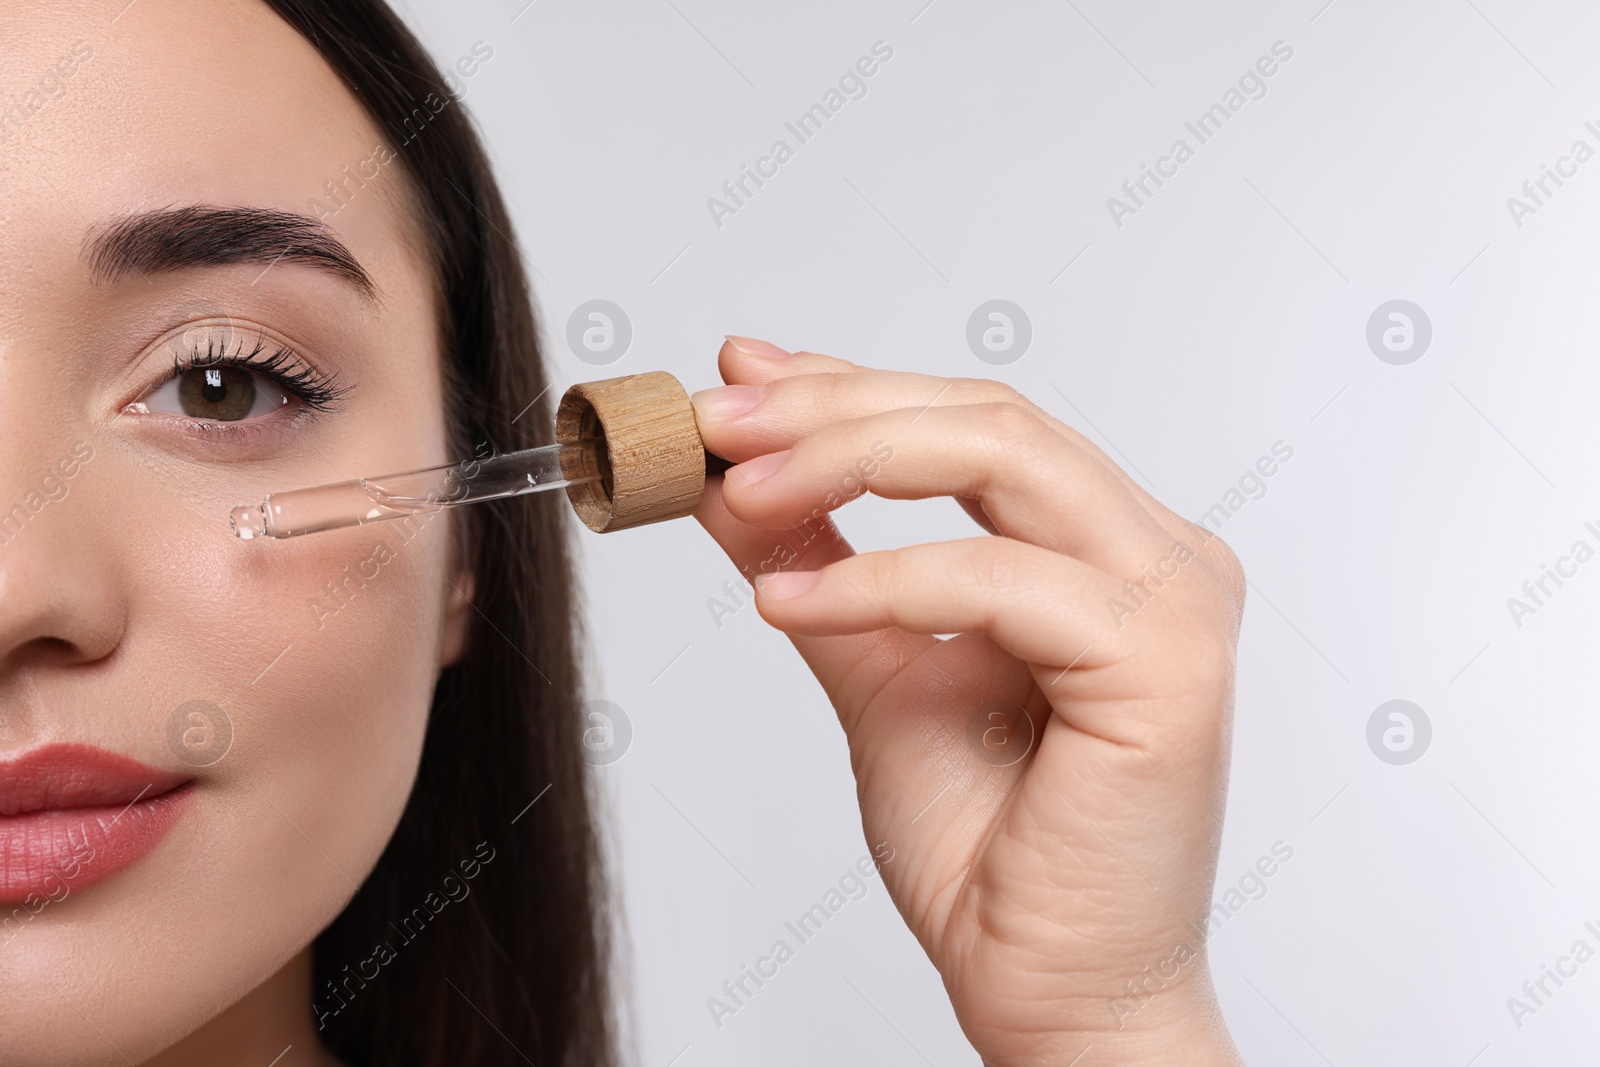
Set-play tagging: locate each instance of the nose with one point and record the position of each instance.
(59, 600)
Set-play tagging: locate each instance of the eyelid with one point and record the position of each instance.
(223, 340)
(236, 330)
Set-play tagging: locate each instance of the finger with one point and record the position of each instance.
(850, 667)
(771, 403)
(1040, 606)
(749, 361)
(853, 669)
(1031, 482)
(914, 709)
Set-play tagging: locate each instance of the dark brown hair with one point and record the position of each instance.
(515, 970)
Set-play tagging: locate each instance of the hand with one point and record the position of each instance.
(1051, 780)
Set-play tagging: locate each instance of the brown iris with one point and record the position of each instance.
(223, 393)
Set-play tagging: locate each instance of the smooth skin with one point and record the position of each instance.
(1061, 890)
(127, 596)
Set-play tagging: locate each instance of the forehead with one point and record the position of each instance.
(108, 108)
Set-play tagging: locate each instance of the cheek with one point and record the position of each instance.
(322, 651)
(334, 729)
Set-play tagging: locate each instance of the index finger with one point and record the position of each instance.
(751, 362)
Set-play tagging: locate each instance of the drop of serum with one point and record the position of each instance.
(248, 520)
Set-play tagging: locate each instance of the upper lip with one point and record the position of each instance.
(62, 776)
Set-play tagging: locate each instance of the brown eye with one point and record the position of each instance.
(225, 394)
(253, 386)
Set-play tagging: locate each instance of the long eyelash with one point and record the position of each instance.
(312, 388)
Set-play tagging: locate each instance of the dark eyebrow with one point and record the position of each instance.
(204, 236)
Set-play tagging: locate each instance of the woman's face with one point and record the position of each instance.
(153, 871)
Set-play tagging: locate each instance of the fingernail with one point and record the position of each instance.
(752, 471)
(751, 346)
(727, 401)
(786, 585)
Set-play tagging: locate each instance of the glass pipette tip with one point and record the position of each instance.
(394, 496)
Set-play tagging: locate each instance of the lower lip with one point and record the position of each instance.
(48, 854)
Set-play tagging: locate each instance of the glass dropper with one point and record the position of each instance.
(394, 496)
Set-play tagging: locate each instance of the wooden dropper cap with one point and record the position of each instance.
(651, 465)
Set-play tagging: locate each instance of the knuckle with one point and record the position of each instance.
(882, 576)
(1011, 422)
(1228, 565)
(828, 389)
(825, 393)
(984, 391)
(1217, 600)
(992, 564)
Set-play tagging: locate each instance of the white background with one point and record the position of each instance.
(1229, 314)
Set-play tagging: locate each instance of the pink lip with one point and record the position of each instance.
(72, 815)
